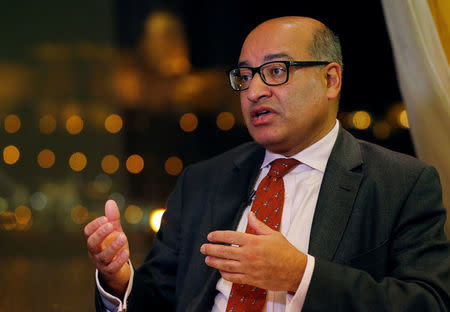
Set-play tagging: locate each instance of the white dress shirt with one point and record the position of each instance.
(302, 186)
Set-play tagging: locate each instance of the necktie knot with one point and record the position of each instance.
(281, 166)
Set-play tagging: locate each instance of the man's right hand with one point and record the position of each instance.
(108, 249)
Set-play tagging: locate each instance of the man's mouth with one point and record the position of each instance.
(262, 116)
(264, 112)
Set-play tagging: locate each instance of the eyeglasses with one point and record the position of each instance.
(272, 73)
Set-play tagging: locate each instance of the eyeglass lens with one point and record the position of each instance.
(271, 74)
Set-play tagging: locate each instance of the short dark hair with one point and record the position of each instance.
(326, 46)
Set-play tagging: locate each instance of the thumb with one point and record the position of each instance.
(257, 225)
(113, 214)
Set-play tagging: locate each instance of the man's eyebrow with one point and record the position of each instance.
(277, 56)
(268, 58)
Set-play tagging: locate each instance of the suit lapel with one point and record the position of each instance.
(229, 202)
(336, 197)
(236, 185)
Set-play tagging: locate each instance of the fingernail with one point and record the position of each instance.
(202, 249)
(209, 236)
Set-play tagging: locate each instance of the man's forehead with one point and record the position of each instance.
(268, 58)
(271, 42)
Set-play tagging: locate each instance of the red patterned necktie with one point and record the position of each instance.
(268, 207)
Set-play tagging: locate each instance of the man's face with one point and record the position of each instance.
(287, 118)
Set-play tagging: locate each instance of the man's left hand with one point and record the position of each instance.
(266, 260)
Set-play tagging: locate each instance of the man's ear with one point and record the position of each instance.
(334, 80)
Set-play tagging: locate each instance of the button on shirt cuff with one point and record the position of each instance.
(111, 302)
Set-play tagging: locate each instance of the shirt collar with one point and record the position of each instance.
(315, 156)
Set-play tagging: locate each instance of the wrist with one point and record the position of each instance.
(299, 269)
(117, 284)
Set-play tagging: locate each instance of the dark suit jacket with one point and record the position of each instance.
(377, 233)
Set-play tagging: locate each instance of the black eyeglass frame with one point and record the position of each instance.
(286, 63)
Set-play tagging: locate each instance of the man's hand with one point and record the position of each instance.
(108, 249)
(266, 260)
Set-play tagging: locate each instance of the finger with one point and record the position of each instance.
(108, 254)
(237, 278)
(95, 240)
(117, 263)
(228, 237)
(92, 226)
(223, 264)
(113, 214)
(220, 251)
(257, 225)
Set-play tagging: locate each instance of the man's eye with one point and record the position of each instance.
(246, 77)
(278, 71)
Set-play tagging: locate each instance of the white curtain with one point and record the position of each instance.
(424, 76)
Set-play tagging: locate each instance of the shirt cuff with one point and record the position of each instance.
(111, 302)
(295, 302)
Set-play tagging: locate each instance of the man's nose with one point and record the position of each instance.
(257, 89)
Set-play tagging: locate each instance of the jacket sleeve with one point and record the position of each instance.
(418, 263)
(154, 282)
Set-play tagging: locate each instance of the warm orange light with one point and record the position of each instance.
(46, 158)
(361, 120)
(113, 123)
(22, 214)
(133, 214)
(188, 122)
(12, 123)
(173, 165)
(225, 121)
(135, 163)
(403, 119)
(155, 219)
(79, 214)
(47, 124)
(74, 124)
(11, 154)
(77, 161)
(8, 221)
(110, 164)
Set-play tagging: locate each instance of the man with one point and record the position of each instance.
(361, 227)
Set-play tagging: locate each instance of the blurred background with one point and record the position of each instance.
(112, 99)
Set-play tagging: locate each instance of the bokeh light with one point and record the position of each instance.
(8, 221)
(102, 183)
(119, 199)
(77, 161)
(22, 214)
(133, 214)
(47, 124)
(113, 123)
(403, 119)
(79, 214)
(361, 120)
(74, 124)
(173, 165)
(110, 164)
(225, 121)
(155, 219)
(188, 122)
(38, 201)
(381, 130)
(11, 154)
(135, 164)
(12, 123)
(46, 158)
